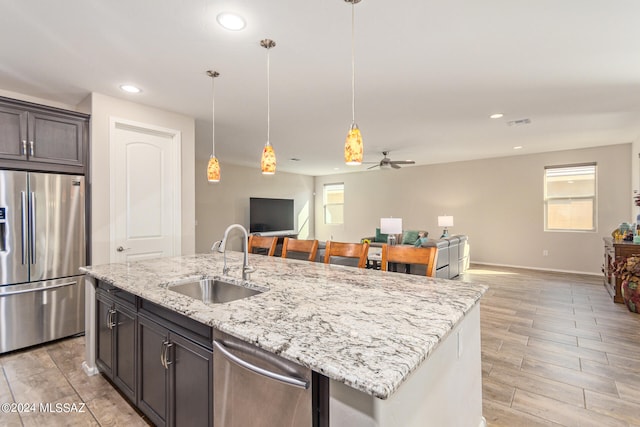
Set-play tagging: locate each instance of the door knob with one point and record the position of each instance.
(121, 249)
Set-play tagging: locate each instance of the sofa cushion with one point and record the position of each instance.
(409, 237)
(381, 238)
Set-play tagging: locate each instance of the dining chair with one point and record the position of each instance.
(402, 254)
(347, 250)
(260, 242)
(292, 246)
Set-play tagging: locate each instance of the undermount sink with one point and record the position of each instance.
(214, 291)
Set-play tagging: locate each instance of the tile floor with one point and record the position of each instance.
(556, 351)
(51, 374)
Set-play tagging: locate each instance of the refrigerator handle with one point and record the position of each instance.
(32, 211)
(24, 222)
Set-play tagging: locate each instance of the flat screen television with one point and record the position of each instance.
(270, 215)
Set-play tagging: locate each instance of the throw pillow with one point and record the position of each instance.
(409, 237)
(421, 241)
(382, 238)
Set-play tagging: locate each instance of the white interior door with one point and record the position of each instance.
(145, 191)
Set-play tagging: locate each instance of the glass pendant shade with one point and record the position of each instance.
(353, 148)
(213, 169)
(268, 161)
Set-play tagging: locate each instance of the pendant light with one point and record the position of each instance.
(353, 147)
(268, 160)
(213, 168)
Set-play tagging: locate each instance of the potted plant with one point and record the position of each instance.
(628, 269)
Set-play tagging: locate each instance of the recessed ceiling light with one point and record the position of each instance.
(518, 147)
(130, 88)
(496, 116)
(231, 21)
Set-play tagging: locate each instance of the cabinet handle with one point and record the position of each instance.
(166, 355)
(163, 354)
(31, 148)
(110, 322)
(24, 147)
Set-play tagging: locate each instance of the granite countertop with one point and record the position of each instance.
(368, 329)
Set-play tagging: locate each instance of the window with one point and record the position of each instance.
(333, 201)
(570, 198)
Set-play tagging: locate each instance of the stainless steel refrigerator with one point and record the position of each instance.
(42, 245)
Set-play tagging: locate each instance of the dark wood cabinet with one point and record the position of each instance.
(192, 383)
(47, 139)
(154, 378)
(162, 361)
(116, 341)
(612, 250)
(13, 132)
(104, 339)
(176, 377)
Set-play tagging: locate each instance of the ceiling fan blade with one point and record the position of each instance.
(371, 167)
(403, 162)
(394, 165)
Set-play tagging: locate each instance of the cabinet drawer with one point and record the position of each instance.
(118, 294)
(192, 329)
(628, 251)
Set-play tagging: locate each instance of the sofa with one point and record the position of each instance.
(406, 237)
(452, 258)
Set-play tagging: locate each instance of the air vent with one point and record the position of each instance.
(519, 122)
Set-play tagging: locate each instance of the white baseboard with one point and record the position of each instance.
(90, 371)
(587, 273)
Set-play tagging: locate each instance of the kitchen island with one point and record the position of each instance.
(397, 349)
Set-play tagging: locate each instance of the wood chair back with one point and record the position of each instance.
(295, 245)
(347, 250)
(261, 242)
(409, 255)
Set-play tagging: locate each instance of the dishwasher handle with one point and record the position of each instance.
(296, 382)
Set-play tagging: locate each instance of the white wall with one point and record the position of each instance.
(102, 108)
(227, 202)
(498, 203)
(36, 100)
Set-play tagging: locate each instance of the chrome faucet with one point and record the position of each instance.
(222, 247)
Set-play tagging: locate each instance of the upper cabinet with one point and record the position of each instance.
(42, 138)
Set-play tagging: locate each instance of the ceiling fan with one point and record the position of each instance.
(387, 162)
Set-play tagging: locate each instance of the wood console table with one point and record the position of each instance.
(612, 250)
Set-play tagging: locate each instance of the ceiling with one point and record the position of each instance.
(428, 73)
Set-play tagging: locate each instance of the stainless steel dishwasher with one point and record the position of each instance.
(256, 388)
